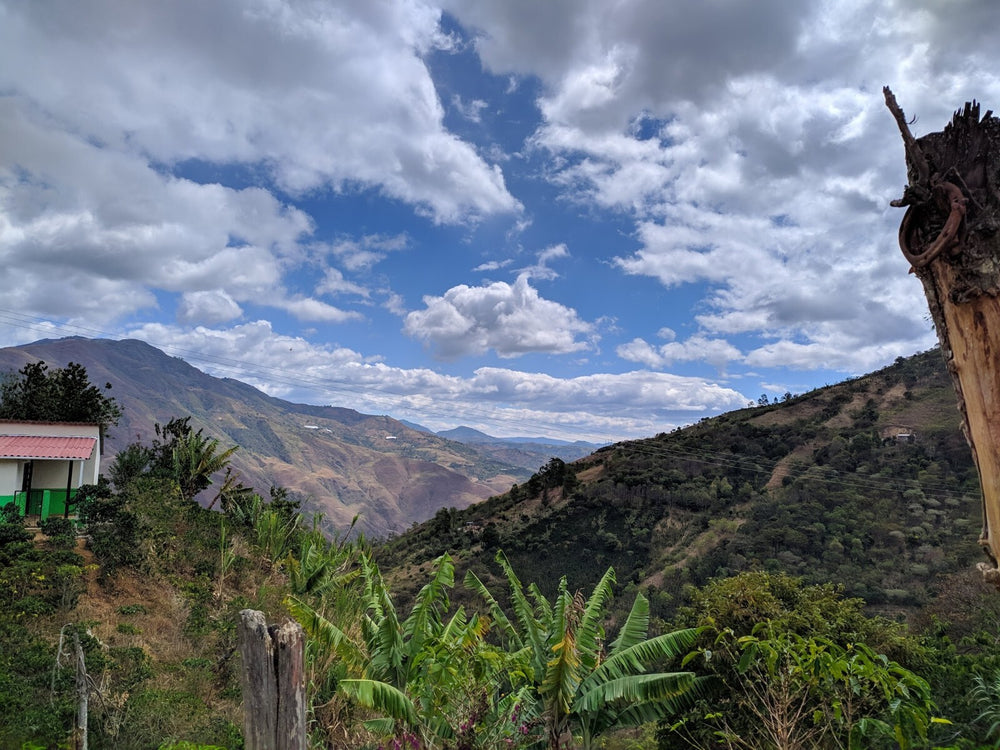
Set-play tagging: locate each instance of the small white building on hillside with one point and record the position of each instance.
(42, 464)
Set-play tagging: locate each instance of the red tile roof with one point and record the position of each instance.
(46, 446)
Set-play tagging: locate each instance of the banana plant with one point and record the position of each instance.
(424, 675)
(578, 685)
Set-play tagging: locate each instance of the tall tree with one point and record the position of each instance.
(37, 393)
(189, 457)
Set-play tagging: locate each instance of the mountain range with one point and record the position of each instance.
(341, 462)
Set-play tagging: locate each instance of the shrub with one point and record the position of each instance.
(60, 531)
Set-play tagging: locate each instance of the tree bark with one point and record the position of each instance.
(949, 235)
(273, 681)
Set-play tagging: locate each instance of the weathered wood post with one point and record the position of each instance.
(273, 680)
(950, 236)
(83, 695)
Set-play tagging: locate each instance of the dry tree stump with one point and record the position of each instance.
(949, 235)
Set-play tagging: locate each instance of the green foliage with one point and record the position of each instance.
(801, 666)
(812, 487)
(181, 455)
(576, 685)
(114, 528)
(186, 456)
(10, 514)
(60, 531)
(61, 395)
(692, 507)
(986, 695)
(807, 691)
(429, 677)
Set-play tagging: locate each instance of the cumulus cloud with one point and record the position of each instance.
(97, 213)
(717, 352)
(742, 153)
(762, 171)
(501, 401)
(208, 308)
(257, 83)
(104, 229)
(511, 319)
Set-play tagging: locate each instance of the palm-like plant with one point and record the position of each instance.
(195, 459)
(421, 674)
(577, 683)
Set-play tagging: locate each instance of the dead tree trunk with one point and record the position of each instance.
(949, 235)
(274, 702)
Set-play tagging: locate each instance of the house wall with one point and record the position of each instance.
(48, 481)
(91, 467)
(10, 479)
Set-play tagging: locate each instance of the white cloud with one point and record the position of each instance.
(358, 254)
(493, 265)
(317, 94)
(511, 319)
(334, 283)
(717, 352)
(599, 407)
(761, 171)
(306, 308)
(394, 303)
(470, 110)
(90, 228)
(540, 269)
(208, 308)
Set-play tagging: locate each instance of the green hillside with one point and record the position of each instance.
(868, 483)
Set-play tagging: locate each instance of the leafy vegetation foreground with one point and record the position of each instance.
(158, 628)
(743, 659)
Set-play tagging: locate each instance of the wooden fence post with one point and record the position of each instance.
(83, 693)
(273, 680)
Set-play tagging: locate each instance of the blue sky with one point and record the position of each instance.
(573, 218)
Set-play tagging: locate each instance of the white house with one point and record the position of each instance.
(42, 464)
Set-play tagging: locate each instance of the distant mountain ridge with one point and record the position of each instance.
(339, 459)
(470, 435)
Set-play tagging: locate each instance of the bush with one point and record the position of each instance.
(60, 531)
(10, 514)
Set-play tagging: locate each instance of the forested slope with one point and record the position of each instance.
(867, 483)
